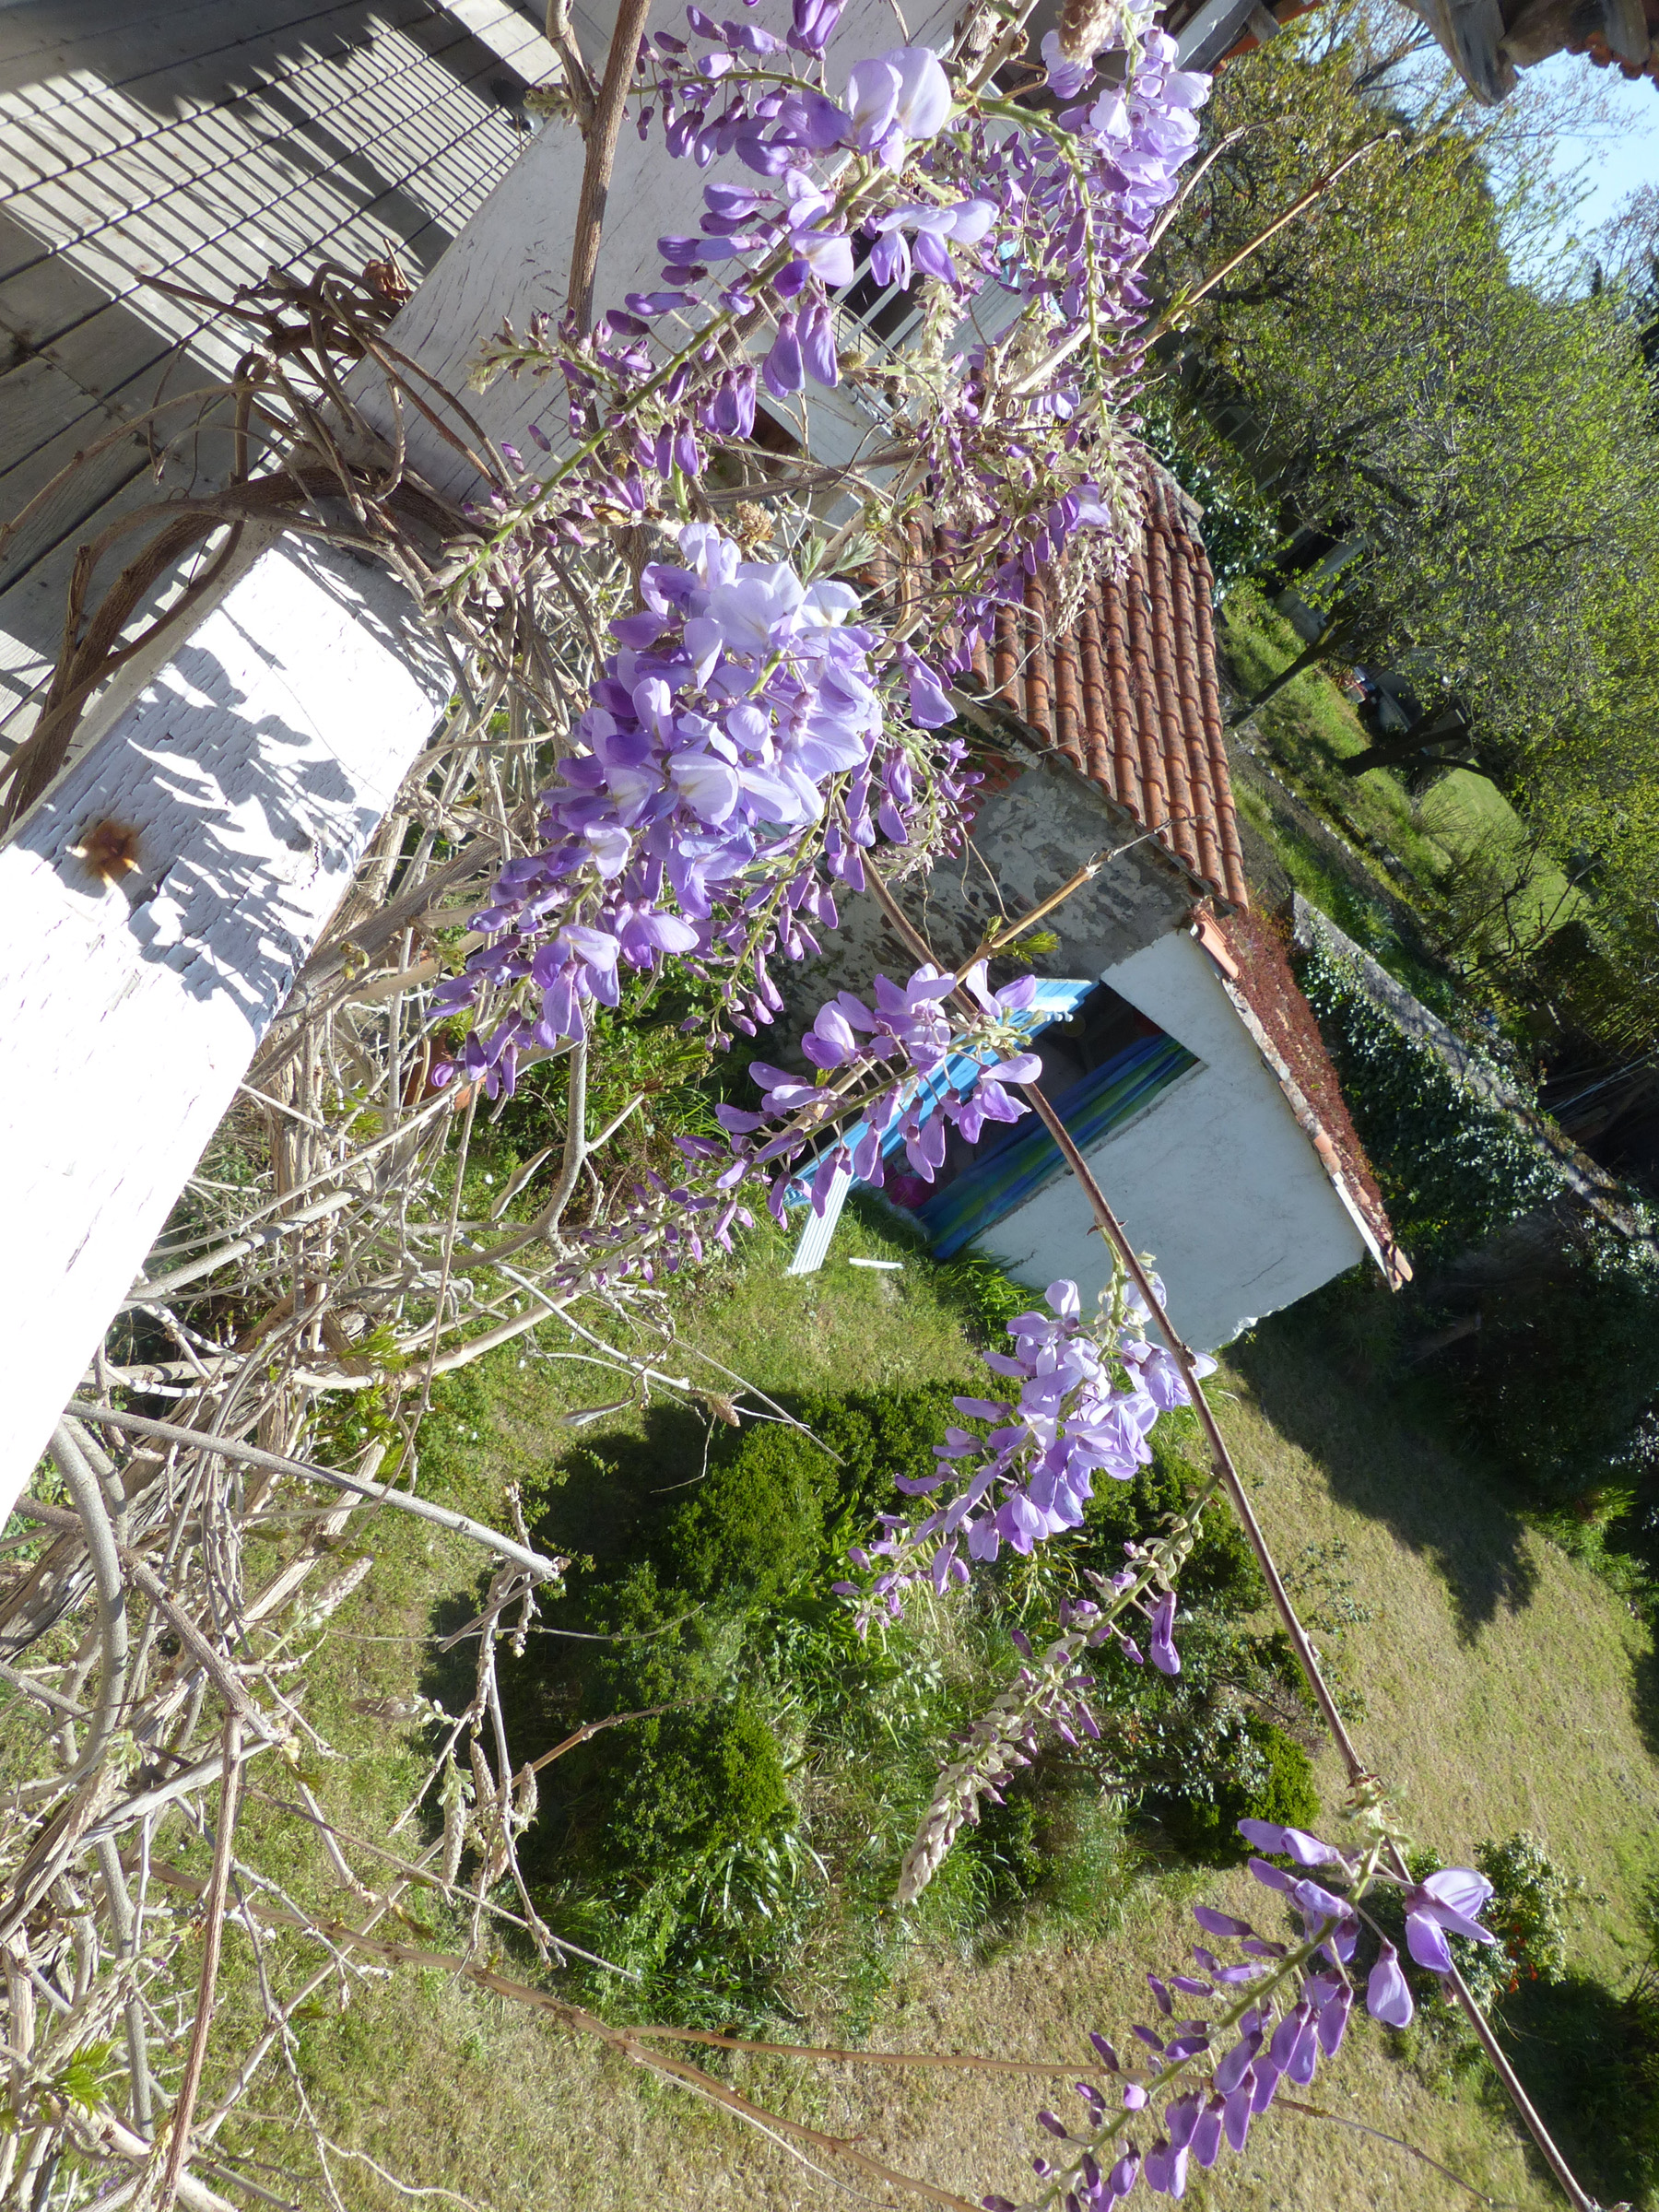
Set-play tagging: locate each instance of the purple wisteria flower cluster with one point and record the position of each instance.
(1077, 200)
(916, 181)
(733, 759)
(941, 1071)
(1198, 2083)
(1088, 1394)
(795, 240)
(969, 196)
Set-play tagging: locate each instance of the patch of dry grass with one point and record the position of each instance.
(450, 2088)
(1502, 1681)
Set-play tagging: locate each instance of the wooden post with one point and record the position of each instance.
(243, 784)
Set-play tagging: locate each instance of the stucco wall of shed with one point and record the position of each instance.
(1026, 840)
(1215, 1179)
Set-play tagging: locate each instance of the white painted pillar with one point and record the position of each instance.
(250, 776)
(252, 773)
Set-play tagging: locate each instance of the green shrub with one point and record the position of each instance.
(1220, 1576)
(874, 1436)
(1588, 2052)
(1565, 1369)
(1527, 1913)
(1510, 1979)
(1453, 1167)
(1270, 1779)
(992, 1297)
(1007, 1850)
(754, 1526)
(692, 1781)
(1558, 1384)
(1589, 2058)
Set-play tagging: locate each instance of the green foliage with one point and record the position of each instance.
(1221, 1579)
(637, 1053)
(1451, 1165)
(1007, 1849)
(1205, 1748)
(688, 1844)
(875, 1437)
(1565, 1370)
(1557, 1384)
(693, 1781)
(1590, 2057)
(1241, 529)
(1387, 377)
(1527, 1911)
(992, 1297)
(754, 1526)
(1587, 2052)
(1268, 1777)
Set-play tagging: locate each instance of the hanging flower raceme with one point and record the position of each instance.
(909, 1068)
(691, 816)
(1088, 1394)
(947, 190)
(1197, 2083)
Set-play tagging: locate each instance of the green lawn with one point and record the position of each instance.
(1461, 811)
(1500, 1685)
(1311, 726)
(1456, 860)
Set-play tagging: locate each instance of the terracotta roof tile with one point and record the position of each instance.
(1127, 691)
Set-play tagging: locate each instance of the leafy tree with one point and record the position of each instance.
(1481, 446)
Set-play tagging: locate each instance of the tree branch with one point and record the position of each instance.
(603, 131)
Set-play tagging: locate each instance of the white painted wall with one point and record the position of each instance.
(253, 772)
(1214, 1178)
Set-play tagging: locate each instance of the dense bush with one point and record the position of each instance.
(1557, 1384)
(1590, 2057)
(754, 1525)
(1529, 1911)
(780, 1763)
(695, 1780)
(1242, 529)
(874, 1436)
(1587, 2053)
(1453, 1167)
(1270, 1777)
(1210, 1746)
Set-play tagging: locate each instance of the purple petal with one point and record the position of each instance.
(1387, 1998)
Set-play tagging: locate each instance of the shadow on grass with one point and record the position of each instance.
(1588, 2057)
(1644, 1696)
(1380, 1463)
(607, 1512)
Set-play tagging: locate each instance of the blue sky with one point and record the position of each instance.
(1615, 161)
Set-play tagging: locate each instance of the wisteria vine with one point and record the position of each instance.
(734, 760)
(1283, 2008)
(762, 730)
(749, 738)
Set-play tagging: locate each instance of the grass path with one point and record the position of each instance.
(1502, 1678)
(1499, 1682)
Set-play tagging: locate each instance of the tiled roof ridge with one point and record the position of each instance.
(1128, 692)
